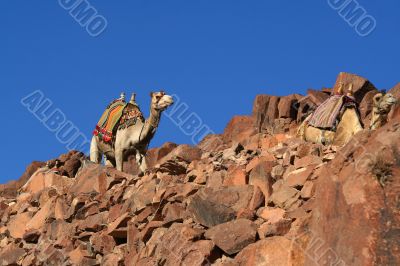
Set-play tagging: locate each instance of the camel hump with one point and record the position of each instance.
(328, 114)
(130, 116)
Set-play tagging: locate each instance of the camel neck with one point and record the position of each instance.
(151, 125)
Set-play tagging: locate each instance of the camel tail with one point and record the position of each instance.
(95, 155)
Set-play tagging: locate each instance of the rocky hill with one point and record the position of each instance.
(254, 195)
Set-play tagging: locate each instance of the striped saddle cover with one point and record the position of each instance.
(118, 114)
(327, 114)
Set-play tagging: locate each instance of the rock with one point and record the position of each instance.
(366, 106)
(17, 224)
(10, 189)
(239, 129)
(11, 254)
(92, 178)
(287, 106)
(236, 176)
(357, 195)
(360, 85)
(285, 197)
(185, 152)
(41, 180)
(276, 229)
(298, 178)
(271, 215)
(260, 176)
(178, 247)
(395, 91)
(213, 206)
(212, 143)
(72, 165)
(270, 251)
(232, 236)
(308, 190)
(39, 219)
(317, 97)
(307, 161)
(277, 172)
(102, 243)
(258, 160)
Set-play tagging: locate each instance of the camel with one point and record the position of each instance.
(349, 123)
(133, 139)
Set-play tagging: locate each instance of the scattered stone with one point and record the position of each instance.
(232, 236)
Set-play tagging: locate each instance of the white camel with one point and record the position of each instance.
(132, 139)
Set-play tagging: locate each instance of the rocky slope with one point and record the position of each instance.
(254, 195)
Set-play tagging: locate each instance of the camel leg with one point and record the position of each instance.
(109, 163)
(141, 161)
(119, 159)
(95, 154)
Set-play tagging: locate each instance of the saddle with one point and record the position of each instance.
(118, 115)
(328, 114)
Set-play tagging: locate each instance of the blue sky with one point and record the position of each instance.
(215, 55)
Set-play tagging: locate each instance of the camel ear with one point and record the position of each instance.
(151, 94)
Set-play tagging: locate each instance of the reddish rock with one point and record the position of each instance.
(285, 197)
(317, 97)
(366, 106)
(270, 251)
(271, 215)
(279, 228)
(308, 190)
(102, 243)
(357, 195)
(92, 178)
(360, 85)
(185, 152)
(10, 189)
(39, 219)
(41, 180)
(72, 165)
(287, 106)
(395, 91)
(298, 178)
(11, 254)
(212, 143)
(17, 224)
(260, 176)
(307, 161)
(236, 176)
(239, 129)
(232, 236)
(178, 247)
(258, 160)
(213, 206)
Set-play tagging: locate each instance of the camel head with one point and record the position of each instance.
(382, 103)
(160, 101)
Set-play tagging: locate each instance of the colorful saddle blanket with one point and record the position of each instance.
(118, 114)
(327, 114)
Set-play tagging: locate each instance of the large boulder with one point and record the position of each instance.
(360, 85)
(357, 195)
(213, 206)
(239, 129)
(395, 91)
(10, 189)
